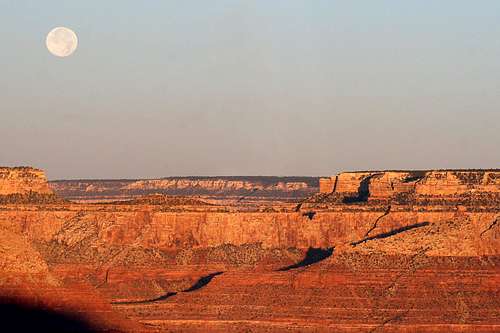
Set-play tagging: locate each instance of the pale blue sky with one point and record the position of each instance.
(159, 88)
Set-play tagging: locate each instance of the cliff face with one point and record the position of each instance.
(143, 228)
(387, 184)
(459, 182)
(213, 185)
(23, 180)
(293, 187)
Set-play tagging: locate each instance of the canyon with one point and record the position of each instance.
(374, 251)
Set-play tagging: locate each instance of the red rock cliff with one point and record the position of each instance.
(23, 180)
(386, 184)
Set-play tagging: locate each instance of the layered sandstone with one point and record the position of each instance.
(213, 185)
(149, 228)
(389, 184)
(350, 269)
(372, 263)
(459, 182)
(33, 299)
(344, 294)
(253, 186)
(23, 180)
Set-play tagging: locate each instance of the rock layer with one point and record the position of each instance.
(386, 184)
(251, 186)
(371, 263)
(143, 227)
(23, 180)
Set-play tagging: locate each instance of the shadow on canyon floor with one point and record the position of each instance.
(313, 255)
(310, 214)
(202, 282)
(391, 233)
(18, 317)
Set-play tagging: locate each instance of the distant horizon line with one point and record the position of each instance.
(274, 176)
(183, 177)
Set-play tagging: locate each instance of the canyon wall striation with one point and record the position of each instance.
(147, 228)
(375, 185)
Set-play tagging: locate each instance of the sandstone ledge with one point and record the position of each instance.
(23, 180)
(377, 185)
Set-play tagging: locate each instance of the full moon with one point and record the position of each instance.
(61, 41)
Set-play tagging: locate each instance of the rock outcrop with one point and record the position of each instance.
(253, 186)
(23, 180)
(376, 185)
(213, 185)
